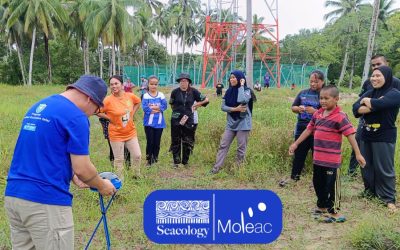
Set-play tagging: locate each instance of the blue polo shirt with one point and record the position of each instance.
(307, 98)
(41, 168)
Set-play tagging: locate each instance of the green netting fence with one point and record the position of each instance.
(290, 73)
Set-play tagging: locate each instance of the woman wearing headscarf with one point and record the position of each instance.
(238, 104)
(184, 102)
(119, 108)
(379, 108)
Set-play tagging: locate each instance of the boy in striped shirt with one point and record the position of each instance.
(328, 125)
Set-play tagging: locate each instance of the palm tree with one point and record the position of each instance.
(187, 12)
(163, 23)
(259, 34)
(224, 15)
(143, 28)
(110, 22)
(37, 15)
(195, 35)
(386, 10)
(371, 38)
(153, 5)
(172, 15)
(343, 8)
(78, 12)
(14, 35)
(382, 9)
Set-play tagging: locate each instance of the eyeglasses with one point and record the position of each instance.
(97, 111)
(92, 102)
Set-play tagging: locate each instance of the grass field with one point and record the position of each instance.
(369, 225)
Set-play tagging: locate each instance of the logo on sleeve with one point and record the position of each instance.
(40, 108)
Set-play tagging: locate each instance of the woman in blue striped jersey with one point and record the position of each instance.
(153, 104)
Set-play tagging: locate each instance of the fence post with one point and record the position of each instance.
(302, 75)
(138, 74)
(284, 79)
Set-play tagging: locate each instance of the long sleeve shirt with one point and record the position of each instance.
(379, 125)
(155, 120)
(244, 123)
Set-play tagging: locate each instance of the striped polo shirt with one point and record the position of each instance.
(328, 133)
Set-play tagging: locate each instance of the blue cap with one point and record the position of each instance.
(92, 86)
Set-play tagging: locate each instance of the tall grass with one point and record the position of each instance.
(267, 161)
(376, 232)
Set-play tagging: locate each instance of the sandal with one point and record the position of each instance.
(285, 182)
(317, 212)
(331, 219)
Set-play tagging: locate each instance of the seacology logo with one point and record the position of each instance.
(212, 216)
(182, 215)
(40, 108)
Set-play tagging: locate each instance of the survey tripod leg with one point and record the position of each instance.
(104, 220)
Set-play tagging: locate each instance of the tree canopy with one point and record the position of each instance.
(99, 37)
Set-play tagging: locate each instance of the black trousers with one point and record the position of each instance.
(327, 188)
(153, 138)
(300, 156)
(379, 174)
(182, 142)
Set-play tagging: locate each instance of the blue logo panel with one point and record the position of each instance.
(212, 216)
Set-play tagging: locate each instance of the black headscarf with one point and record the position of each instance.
(388, 75)
(231, 94)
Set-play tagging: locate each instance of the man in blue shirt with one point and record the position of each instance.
(52, 149)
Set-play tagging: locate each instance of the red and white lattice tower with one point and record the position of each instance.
(222, 39)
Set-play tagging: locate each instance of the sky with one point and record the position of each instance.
(293, 15)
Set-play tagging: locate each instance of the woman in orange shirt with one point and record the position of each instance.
(119, 108)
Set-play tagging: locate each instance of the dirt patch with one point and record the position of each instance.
(178, 173)
(352, 96)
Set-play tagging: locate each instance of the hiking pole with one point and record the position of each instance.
(117, 184)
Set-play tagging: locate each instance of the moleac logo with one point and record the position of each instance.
(212, 216)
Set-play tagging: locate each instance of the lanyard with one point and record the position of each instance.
(184, 99)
